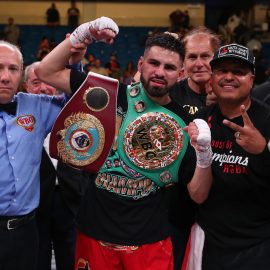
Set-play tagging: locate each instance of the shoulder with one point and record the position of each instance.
(206, 111)
(259, 106)
(181, 85)
(178, 109)
(261, 91)
(26, 96)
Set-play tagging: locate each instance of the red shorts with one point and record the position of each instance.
(92, 254)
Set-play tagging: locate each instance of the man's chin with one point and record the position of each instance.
(5, 99)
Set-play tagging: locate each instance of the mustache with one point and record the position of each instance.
(158, 78)
(229, 83)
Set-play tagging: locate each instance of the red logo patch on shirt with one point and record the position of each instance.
(26, 121)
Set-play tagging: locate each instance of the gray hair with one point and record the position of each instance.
(28, 68)
(15, 48)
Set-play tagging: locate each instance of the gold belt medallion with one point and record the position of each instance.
(82, 140)
(153, 140)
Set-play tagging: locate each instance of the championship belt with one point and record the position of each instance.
(83, 133)
(151, 139)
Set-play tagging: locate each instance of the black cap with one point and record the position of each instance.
(234, 51)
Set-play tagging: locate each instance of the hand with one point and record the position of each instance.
(78, 51)
(200, 139)
(248, 137)
(102, 29)
(105, 35)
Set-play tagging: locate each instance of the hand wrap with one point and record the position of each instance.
(203, 148)
(83, 31)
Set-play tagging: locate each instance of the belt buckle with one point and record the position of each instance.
(9, 227)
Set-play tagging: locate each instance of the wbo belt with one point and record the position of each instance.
(83, 133)
(11, 223)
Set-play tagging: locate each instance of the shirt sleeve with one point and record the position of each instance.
(76, 80)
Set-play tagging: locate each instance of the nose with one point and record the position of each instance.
(159, 71)
(198, 62)
(43, 88)
(4, 76)
(229, 76)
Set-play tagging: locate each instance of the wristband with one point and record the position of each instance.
(203, 148)
(77, 66)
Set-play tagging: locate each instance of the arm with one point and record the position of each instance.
(52, 68)
(200, 184)
(200, 139)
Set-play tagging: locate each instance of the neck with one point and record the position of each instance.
(199, 88)
(232, 109)
(161, 100)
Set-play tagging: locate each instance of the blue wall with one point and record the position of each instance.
(128, 45)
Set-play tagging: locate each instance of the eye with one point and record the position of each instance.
(192, 57)
(170, 67)
(205, 56)
(14, 68)
(239, 72)
(220, 71)
(154, 63)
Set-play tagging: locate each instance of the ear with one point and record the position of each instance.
(24, 85)
(140, 62)
(137, 76)
(252, 77)
(181, 74)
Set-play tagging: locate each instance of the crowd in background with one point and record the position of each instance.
(232, 30)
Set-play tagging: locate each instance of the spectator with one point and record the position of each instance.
(89, 63)
(176, 20)
(97, 68)
(53, 16)
(12, 32)
(186, 20)
(43, 48)
(114, 67)
(129, 73)
(73, 15)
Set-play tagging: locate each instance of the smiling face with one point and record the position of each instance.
(199, 52)
(35, 86)
(10, 72)
(160, 68)
(232, 81)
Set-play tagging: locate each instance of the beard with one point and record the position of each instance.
(155, 91)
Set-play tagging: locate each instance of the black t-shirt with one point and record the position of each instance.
(107, 214)
(178, 196)
(191, 101)
(236, 214)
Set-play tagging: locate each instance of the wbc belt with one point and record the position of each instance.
(83, 133)
(151, 139)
